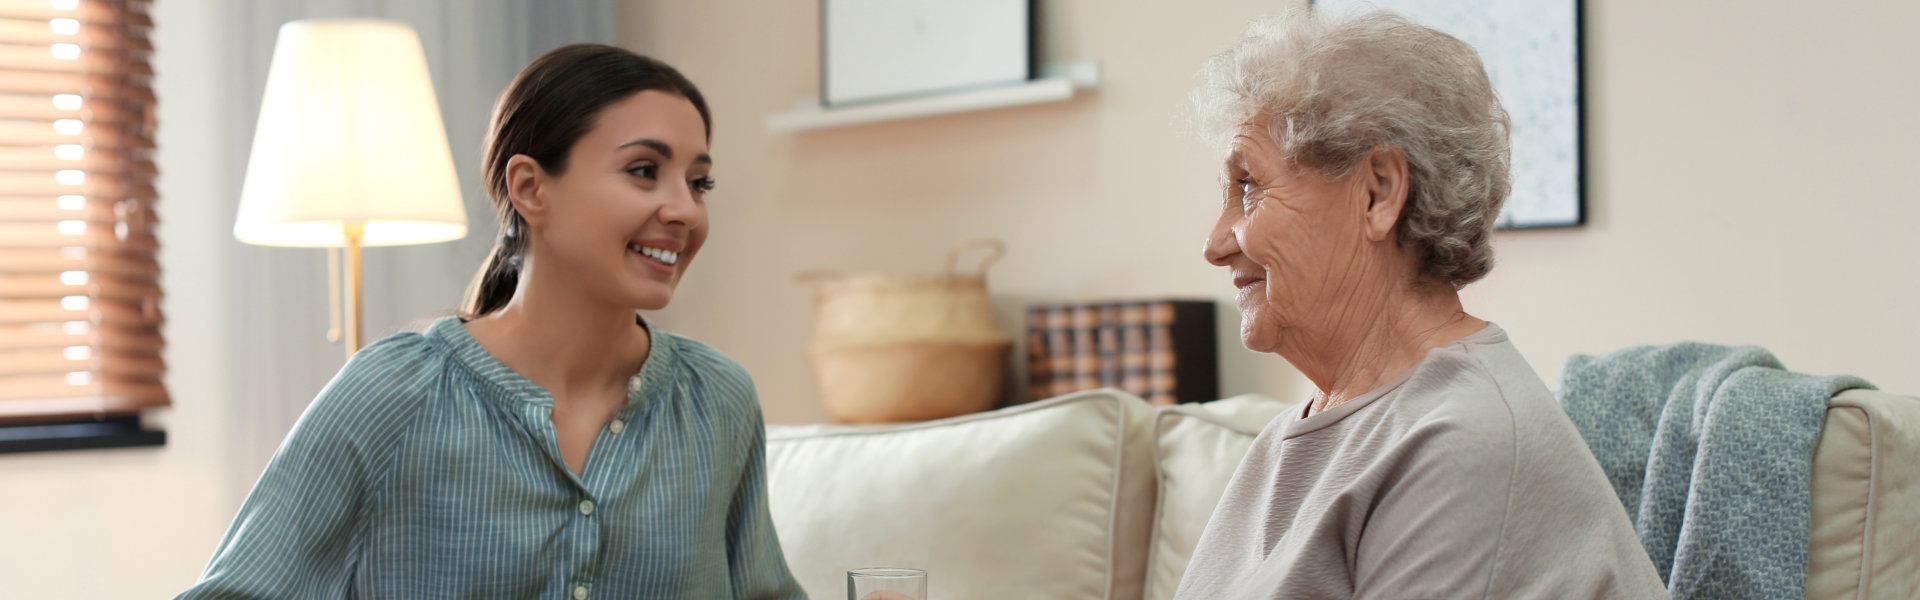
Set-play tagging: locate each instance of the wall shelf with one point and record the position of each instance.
(1059, 82)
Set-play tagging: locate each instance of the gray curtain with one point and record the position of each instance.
(280, 354)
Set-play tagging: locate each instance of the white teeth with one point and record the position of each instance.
(663, 256)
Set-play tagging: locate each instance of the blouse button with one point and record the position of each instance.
(579, 592)
(586, 507)
(617, 426)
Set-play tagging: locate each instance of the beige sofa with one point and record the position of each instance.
(1099, 495)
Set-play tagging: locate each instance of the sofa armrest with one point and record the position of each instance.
(1866, 499)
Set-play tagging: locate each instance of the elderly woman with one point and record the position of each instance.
(1367, 161)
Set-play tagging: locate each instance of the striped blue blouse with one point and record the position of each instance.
(427, 469)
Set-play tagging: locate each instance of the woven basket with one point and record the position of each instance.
(892, 348)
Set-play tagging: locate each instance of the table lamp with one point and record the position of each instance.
(349, 152)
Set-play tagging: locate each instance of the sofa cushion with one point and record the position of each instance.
(1051, 499)
(1197, 447)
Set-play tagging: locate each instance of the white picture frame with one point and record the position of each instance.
(1532, 52)
(879, 50)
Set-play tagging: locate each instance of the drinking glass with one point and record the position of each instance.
(886, 583)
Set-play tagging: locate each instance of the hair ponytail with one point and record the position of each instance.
(493, 286)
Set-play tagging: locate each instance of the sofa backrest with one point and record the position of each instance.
(1098, 495)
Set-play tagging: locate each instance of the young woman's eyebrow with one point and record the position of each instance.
(666, 151)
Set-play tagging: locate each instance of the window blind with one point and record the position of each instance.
(79, 285)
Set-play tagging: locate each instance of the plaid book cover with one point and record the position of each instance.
(1161, 350)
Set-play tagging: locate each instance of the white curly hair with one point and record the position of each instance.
(1334, 88)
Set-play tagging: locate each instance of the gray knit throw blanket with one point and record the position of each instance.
(1711, 450)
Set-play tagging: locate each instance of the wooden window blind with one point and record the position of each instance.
(79, 285)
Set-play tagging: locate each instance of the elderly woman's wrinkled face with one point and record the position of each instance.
(1295, 242)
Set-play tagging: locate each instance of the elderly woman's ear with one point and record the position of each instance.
(1384, 175)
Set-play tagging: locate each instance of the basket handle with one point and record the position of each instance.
(815, 276)
(996, 247)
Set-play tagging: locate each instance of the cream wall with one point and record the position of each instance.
(141, 522)
(1751, 183)
(1747, 166)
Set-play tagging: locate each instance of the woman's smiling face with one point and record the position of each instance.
(628, 213)
(1291, 239)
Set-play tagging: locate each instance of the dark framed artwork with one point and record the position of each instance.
(1533, 53)
(879, 50)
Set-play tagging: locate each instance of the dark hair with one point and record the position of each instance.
(549, 105)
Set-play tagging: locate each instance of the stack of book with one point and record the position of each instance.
(1161, 350)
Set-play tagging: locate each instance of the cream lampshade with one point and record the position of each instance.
(350, 150)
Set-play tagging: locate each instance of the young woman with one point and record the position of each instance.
(551, 444)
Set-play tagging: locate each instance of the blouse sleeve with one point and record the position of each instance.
(295, 536)
(756, 565)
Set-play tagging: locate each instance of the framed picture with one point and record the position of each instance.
(1532, 51)
(876, 50)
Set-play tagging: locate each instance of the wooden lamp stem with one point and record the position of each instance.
(353, 234)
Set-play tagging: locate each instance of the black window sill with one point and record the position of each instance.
(113, 432)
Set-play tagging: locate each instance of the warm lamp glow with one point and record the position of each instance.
(349, 134)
